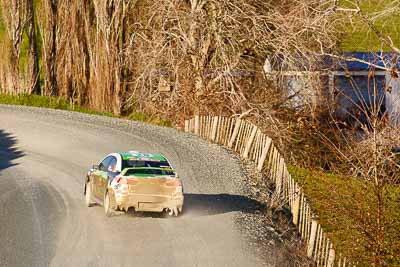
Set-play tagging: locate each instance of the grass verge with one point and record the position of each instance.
(359, 38)
(62, 104)
(344, 206)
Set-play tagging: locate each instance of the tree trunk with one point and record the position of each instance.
(51, 80)
(14, 16)
(86, 18)
(33, 49)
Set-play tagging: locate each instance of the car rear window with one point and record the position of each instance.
(144, 163)
(149, 171)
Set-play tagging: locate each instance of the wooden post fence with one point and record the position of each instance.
(250, 143)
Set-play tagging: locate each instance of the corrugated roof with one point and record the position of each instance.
(352, 61)
(358, 61)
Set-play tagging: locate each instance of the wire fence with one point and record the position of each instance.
(247, 139)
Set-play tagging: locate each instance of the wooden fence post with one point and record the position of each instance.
(326, 252)
(226, 128)
(306, 220)
(242, 139)
(296, 205)
(290, 192)
(250, 142)
(279, 175)
(186, 126)
(238, 138)
(214, 129)
(202, 125)
(311, 243)
(257, 146)
(303, 210)
(264, 154)
(221, 131)
(320, 246)
(197, 124)
(286, 182)
(210, 124)
(235, 132)
(275, 164)
(270, 160)
(331, 257)
(317, 237)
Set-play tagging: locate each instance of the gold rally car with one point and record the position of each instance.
(134, 180)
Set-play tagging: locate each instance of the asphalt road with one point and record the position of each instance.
(44, 155)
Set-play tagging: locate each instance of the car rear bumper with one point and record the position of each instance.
(152, 203)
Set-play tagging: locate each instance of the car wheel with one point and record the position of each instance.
(107, 205)
(88, 194)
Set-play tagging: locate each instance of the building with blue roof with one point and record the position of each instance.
(358, 61)
(357, 84)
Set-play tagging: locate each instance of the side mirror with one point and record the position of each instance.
(95, 167)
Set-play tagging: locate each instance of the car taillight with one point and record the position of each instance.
(120, 180)
(123, 180)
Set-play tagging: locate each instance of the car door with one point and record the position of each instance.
(106, 177)
(98, 177)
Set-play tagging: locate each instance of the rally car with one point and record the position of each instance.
(134, 180)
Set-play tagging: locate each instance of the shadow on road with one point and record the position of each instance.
(212, 204)
(208, 204)
(8, 150)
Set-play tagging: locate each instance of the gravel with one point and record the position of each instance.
(216, 182)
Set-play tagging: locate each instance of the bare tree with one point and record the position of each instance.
(110, 53)
(14, 15)
(33, 48)
(204, 49)
(49, 29)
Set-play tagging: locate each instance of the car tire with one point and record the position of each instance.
(88, 194)
(107, 205)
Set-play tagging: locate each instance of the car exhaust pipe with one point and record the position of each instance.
(172, 211)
